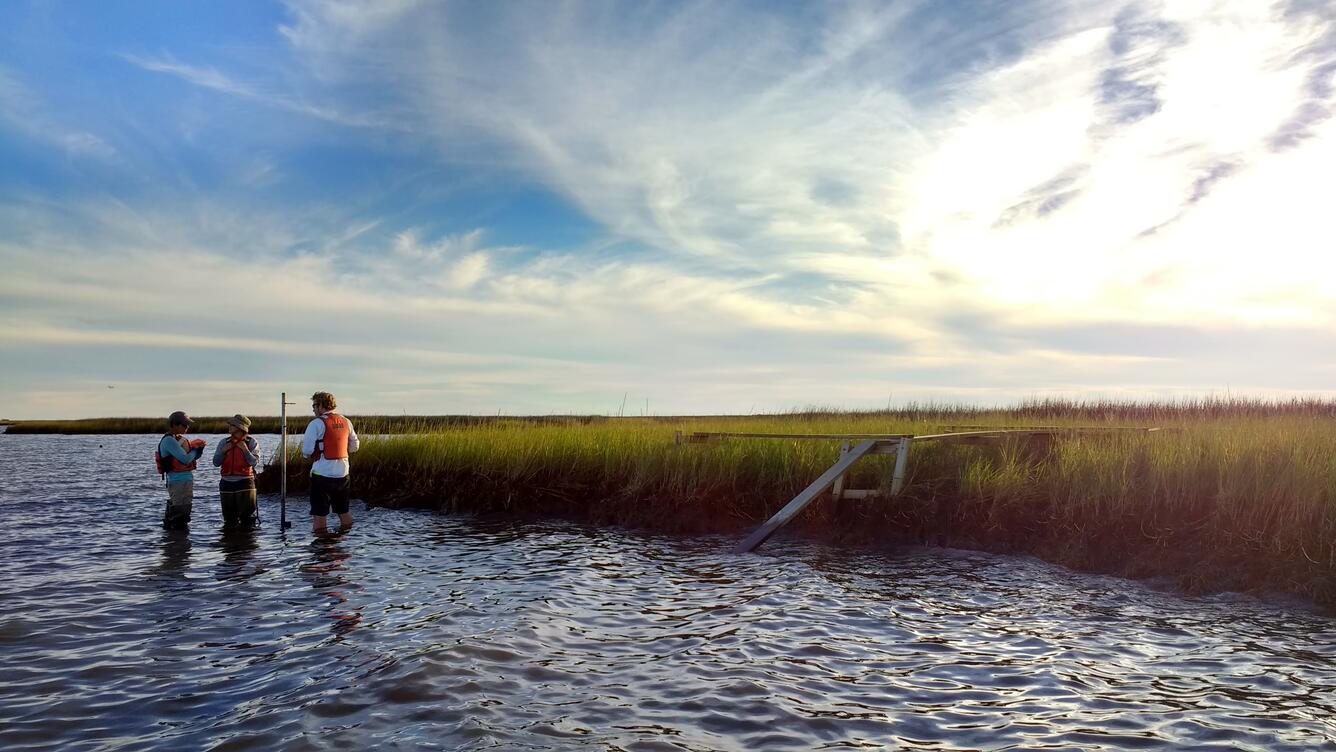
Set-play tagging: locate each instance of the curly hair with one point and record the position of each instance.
(324, 400)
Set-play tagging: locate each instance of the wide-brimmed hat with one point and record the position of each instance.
(179, 418)
(240, 421)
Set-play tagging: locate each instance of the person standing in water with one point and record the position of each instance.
(175, 459)
(328, 441)
(237, 455)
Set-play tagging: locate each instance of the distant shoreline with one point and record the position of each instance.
(270, 424)
(1043, 410)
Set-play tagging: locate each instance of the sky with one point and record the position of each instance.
(662, 208)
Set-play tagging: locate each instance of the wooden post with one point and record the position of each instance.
(901, 461)
(807, 496)
(838, 491)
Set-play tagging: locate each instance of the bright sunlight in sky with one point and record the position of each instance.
(686, 208)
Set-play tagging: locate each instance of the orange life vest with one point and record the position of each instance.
(334, 446)
(170, 464)
(234, 462)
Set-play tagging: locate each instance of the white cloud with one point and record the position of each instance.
(467, 272)
(24, 111)
(820, 212)
(407, 246)
(1037, 181)
(1135, 204)
(211, 78)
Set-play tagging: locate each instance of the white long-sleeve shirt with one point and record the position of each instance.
(315, 431)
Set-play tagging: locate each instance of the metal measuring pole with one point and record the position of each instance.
(283, 523)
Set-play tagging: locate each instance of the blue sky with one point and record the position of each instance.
(526, 208)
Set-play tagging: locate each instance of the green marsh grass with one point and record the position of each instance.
(1241, 498)
(1217, 500)
(1233, 494)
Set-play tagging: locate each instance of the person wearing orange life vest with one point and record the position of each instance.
(328, 441)
(237, 455)
(176, 458)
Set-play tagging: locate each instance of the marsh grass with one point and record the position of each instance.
(1230, 496)
(1234, 494)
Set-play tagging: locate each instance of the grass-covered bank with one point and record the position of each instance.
(1238, 497)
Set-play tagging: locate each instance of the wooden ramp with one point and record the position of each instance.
(808, 495)
(897, 444)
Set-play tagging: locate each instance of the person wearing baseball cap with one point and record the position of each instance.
(237, 455)
(175, 459)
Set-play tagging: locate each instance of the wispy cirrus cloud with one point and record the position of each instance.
(24, 111)
(211, 78)
(758, 149)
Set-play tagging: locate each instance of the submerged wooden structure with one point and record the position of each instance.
(854, 447)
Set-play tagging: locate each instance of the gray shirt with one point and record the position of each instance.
(250, 452)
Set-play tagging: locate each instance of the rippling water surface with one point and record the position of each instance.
(423, 631)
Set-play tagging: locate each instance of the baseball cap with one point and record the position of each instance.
(179, 418)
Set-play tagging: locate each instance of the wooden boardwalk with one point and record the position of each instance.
(856, 446)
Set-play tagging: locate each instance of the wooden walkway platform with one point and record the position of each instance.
(856, 446)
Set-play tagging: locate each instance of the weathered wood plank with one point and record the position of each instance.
(703, 436)
(807, 496)
(901, 461)
(1095, 429)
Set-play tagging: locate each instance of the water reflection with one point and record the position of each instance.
(326, 572)
(238, 546)
(174, 559)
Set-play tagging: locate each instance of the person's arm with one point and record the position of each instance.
(250, 451)
(353, 443)
(219, 452)
(170, 445)
(314, 430)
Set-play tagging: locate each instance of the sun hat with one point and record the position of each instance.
(240, 421)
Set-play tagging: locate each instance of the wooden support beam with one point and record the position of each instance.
(901, 461)
(836, 493)
(807, 496)
(708, 436)
(1060, 429)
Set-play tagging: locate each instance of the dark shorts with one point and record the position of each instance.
(327, 493)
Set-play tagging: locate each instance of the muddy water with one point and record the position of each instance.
(423, 631)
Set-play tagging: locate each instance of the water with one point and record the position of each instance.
(424, 631)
